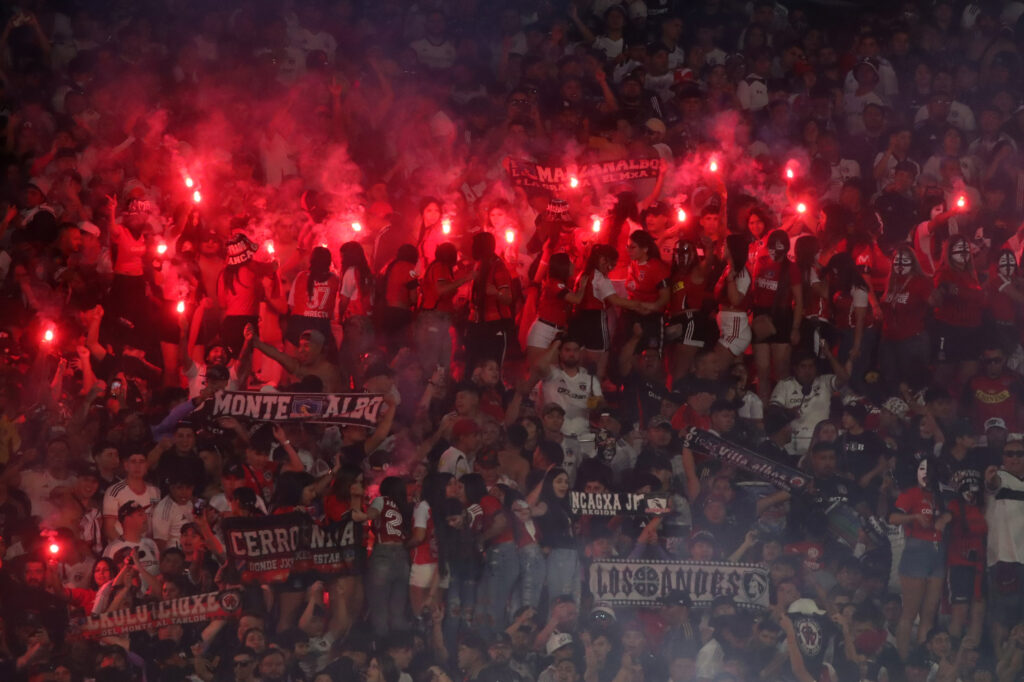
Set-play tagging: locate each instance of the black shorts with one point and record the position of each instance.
(693, 328)
(965, 584)
(782, 319)
(590, 328)
(955, 344)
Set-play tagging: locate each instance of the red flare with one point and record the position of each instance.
(180, 307)
(270, 247)
(446, 226)
(681, 215)
(161, 248)
(801, 207)
(54, 548)
(510, 235)
(713, 166)
(48, 336)
(189, 182)
(574, 182)
(596, 227)
(961, 201)
(356, 227)
(197, 197)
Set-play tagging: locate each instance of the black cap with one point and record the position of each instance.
(677, 598)
(217, 373)
(129, 508)
(378, 369)
(472, 640)
(84, 469)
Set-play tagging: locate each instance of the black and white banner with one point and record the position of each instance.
(358, 409)
(781, 476)
(198, 608)
(640, 582)
(613, 504)
(560, 178)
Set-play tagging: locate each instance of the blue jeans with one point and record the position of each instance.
(387, 578)
(460, 603)
(531, 576)
(563, 575)
(500, 574)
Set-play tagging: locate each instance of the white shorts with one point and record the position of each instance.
(422, 575)
(735, 333)
(541, 334)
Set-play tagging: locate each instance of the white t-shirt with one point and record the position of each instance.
(572, 394)
(119, 493)
(752, 92)
(38, 485)
(167, 520)
(601, 286)
(812, 408)
(196, 376)
(752, 407)
(710, 660)
(149, 555)
(1004, 512)
(434, 56)
(611, 48)
(454, 461)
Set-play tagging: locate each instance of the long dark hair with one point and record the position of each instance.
(393, 488)
(738, 246)
(806, 252)
(645, 241)
(343, 480)
(407, 254)
(475, 486)
(433, 494)
(625, 208)
(559, 266)
(353, 256)
(547, 490)
(319, 268)
(483, 252)
(845, 273)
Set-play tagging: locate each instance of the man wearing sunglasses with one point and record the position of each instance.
(994, 391)
(1004, 511)
(243, 664)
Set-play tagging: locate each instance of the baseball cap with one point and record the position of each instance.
(806, 607)
(129, 508)
(472, 640)
(464, 427)
(995, 423)
(556, 641)
(313, 336)
(677, 598)
(89, 228)
(85, 469)
(602, 612)
(377, 369)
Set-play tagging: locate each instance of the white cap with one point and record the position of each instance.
(806, 607)
(89, 228)
(557, 640)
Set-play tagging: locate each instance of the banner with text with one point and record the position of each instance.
(198, 608)
(613, 504)
(269, 549)
(627, 582)
(560, 178)
(358, 409)
(779, 475)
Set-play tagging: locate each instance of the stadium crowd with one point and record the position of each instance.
(755, 264)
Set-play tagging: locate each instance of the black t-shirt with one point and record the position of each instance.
(860, 453)
(956, 475)
(641, 398)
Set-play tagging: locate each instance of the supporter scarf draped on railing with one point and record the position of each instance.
(644, 582)
(560, 178)
(357, 409)
(779, 475)
(197, 608)
(268, 549)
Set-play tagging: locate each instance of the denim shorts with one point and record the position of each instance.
(923, 559)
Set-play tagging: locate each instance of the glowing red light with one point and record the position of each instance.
(446, 226)
(161, 248)
(574, 182)
(596, 227)
(801, 207)
(54, 548)
(713, 166)
(681, 215)
(961, 202)
(510, 235)
(180, 307)
(789, 173)
(197, 197)
(270, 247)
(48, 336)
(356, 227)
(189, 182)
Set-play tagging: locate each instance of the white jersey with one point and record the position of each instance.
(1004, 512)
(812, 407)
(168, 518)
(120, 492)
(572, 394)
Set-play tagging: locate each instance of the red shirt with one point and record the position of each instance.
(768, 275)
(962, 298)
(685, 294)
(261, 481)
(244, 295)
(388, 527)
(437, 274)
(400, 286)
(323, 300)
(905, 311)
(551, 306)
(646, 280)
(685, 418)
(1000, 306)
(492, 509)
(967, 533)
(494, 309)
(917, 500)
(426, 551)
(844, 303)
(130, 251)
(994, 398)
